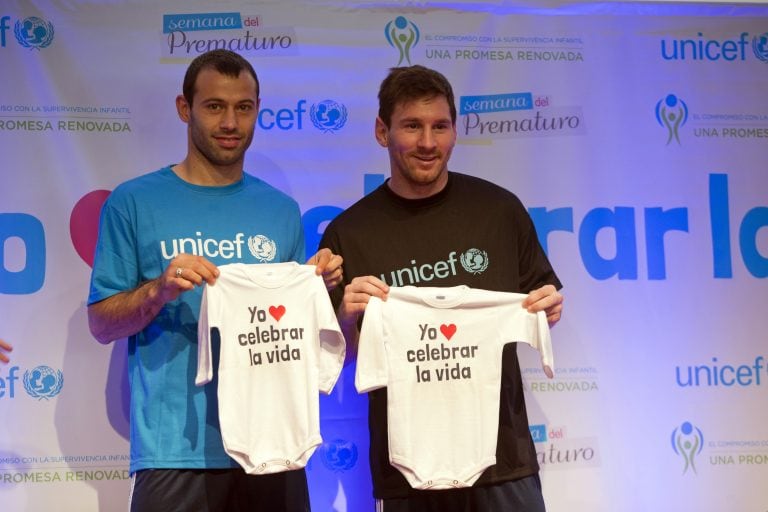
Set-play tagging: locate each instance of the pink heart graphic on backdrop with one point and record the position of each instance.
(277, 312)
(84, 224)
(448, 330)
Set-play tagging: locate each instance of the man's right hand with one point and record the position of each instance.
(356, 296)
(127, 313)
(183, 273)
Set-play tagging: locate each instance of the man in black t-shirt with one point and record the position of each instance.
(426, 226)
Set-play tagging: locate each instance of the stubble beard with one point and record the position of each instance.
(206, 146)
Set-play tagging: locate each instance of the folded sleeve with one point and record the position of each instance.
(204, 359)
(332, 349)
(372, 367)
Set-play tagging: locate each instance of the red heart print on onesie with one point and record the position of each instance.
(448, 330)
(277, 312)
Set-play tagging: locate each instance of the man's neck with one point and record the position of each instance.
(410, 190)
(203, 173)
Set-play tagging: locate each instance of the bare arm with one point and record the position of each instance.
(126, 313)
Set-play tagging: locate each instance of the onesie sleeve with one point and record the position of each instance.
(544, 344)
(330, 358)
(204, 358)
(530, 328)
(372, 367)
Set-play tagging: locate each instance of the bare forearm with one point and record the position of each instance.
(126, 313)
(129, 312)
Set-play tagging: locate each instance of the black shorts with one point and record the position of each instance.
(214, 490)
(523, 495)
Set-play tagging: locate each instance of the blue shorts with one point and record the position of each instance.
(522, 495)
(218, 490)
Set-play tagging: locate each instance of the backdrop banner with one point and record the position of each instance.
(636, 134)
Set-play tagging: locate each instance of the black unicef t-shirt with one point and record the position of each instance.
(473, 233)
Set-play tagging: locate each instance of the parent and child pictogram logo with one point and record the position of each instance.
(687, 442)
(403, 35)
(672, 113)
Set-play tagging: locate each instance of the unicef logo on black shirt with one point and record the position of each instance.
(43, 382)
(474, 261)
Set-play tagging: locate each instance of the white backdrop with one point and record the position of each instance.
(635, 133)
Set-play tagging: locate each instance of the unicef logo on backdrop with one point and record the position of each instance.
(262, 248)
(672, 113)
(34, 32)
(687, 442)
(474, 261)
(328, 115)
(339, 455)
(760, 47)
(43, 382)
(402, 34)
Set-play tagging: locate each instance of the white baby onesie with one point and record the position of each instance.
(438, 351)
(280, 345)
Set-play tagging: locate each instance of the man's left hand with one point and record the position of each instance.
(546, 299)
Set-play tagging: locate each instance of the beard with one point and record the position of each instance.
(416, 174)
(209, 148)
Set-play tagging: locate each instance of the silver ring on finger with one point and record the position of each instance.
(179, 271)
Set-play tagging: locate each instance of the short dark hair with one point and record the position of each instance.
(225, 62)
(406, 84)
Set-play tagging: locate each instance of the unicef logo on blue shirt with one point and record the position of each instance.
(263, 248)
(33, 32)
(339, 455)
(328, 115)
(43, 382)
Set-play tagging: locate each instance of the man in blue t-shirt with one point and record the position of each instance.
(161, 236)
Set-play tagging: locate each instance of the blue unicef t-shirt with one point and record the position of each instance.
(144, 223)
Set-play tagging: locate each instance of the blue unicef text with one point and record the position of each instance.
(8, 383)
(705, 49)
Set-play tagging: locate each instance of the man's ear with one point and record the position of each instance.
(183, 108)
(382, 133)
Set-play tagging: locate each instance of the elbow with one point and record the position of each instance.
(98, 327)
